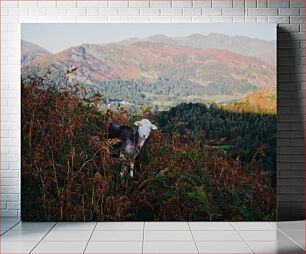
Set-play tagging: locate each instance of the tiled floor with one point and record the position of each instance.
(152, 237)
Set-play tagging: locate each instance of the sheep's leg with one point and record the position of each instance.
(132, 169)
(123, 171)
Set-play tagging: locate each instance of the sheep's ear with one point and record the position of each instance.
(137, 123)
(153, 127)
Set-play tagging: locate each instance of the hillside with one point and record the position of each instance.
(30, 51)
(161, 68)
(261, 49)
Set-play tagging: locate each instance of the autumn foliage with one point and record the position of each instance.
(69, 175)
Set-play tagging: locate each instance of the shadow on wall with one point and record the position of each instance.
(290, 130)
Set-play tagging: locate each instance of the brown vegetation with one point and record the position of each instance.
(69, 175)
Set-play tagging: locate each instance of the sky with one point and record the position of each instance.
(57, 37)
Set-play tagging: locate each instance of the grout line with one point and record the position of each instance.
(193, 237)
(43, 238)
(290, 238)
(10, 228)
(143, 232)
(247, 243)
(90, 237)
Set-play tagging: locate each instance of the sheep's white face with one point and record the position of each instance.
(144, 128)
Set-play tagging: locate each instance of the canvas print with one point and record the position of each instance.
(148, 122)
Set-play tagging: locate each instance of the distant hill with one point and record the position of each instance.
(143, 72)
(263, 99)
(30, 51)
(264, 50)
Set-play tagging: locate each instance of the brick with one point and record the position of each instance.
(222, 3)
(64, 19)
(222, 19)
(262, 4)
(250, 19)
(9, 181)
(297, 3)
(211, 11)
(150, 12)
(262, 12)
(108, 11)
(57, 12)
(297, 20)
(201, 19)
(238, 19)
(128, 11)
(47, 4)
(118, 4)
(38, 11)
(288, 11)
(192, 11)
(3, 205)
(4, 11)
(172, 11)
(278, 3)
(66, 4)
(238, 3)
(139, 4)
(9, 173)
(92, 19)
(279, 19)
(76, 11)
(262, 19)
(202, 3)
(181, 19)
(92, 4)
(9, 213)
(182, 3)
(28, 4)
(18, 12)
(250, 3)
(9, 197)
(160, 19)
(92, 11)
(10, 190)
(13, 205)
(160, 4)
(9, 4)
(233, 12)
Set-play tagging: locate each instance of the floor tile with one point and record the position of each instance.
(17, 247)
(168, 236)
(256, 225)
(297, 236)
(5, 226)
(114, 247)
(69, 226)
(276, 247)
(69, 236)
(33, 226)
(291, 225)
(60, 247)
(169, 247)
(120, 226)
(221, 226)
(216, 236)
(223, 247)
(273, 235)
(107, 236)
(166, 225)
(23, 236)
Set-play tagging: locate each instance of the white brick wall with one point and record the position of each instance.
(289, 13)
